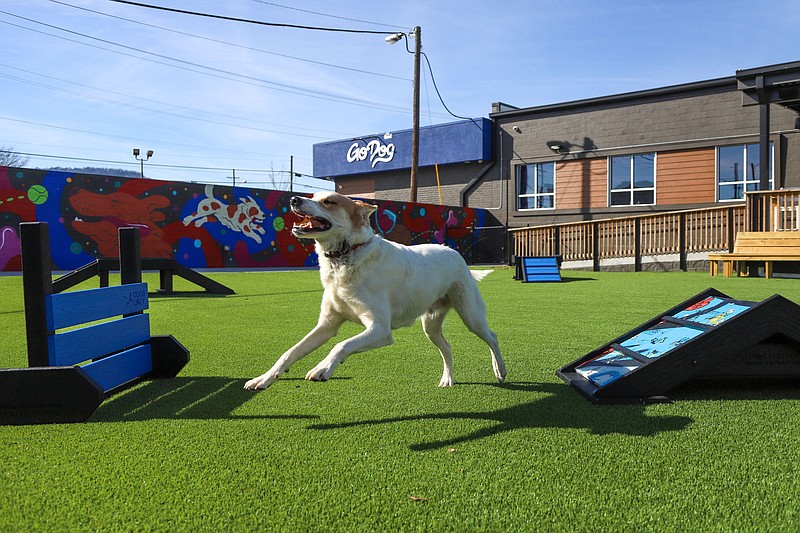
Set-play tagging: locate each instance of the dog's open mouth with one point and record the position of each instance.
(311, 224)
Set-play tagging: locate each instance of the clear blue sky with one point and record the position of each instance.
(93, 79)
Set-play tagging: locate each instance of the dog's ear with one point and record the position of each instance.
(363, 212)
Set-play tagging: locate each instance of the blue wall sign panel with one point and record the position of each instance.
(455, 142)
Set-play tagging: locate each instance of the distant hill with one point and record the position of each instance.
(118, 172)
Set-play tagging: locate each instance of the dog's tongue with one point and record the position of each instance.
(309, 223)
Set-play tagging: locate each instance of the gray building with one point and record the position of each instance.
(671, 148)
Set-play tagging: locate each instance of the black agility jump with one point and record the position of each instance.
(167, 270)
(72, 371)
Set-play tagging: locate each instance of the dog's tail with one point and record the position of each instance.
(478, 275)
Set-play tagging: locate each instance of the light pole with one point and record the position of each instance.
(391, 39)
(147, 156)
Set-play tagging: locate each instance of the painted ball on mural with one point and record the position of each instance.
(278, 224)
(37, 194)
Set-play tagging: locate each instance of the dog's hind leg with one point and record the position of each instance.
(472, 309)
(432, 326)
(498, 365)
(481, 329)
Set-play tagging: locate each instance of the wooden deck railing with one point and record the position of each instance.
(680, 232)
(773, 210)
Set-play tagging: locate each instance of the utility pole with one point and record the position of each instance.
(392, 39)
(291, 172)
(233, 178)
(415, 125)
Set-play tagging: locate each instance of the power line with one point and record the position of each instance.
(145, 99)
(303, 92)
(436, 88)
(278, 86)
(246, 158)
(296, 183)
(251, 48)
(311, 93)
(215, 72)
(325, 14)
(157, 165)
(249, 21)
(269, 171)
(128, 139)
(136, 106)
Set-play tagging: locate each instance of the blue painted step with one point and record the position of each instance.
(539, 269)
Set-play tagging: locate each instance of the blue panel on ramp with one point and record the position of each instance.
(539, 269)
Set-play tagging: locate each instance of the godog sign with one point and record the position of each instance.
(374, 150)
(442, 144)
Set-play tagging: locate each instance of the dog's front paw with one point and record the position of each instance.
(261, 382)
(319, 373)
(446, 381)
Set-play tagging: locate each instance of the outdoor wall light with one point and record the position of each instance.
(136, 153)
(558, 147)
(141, 160)
(393, 38)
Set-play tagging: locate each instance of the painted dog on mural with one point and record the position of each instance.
(245, 217)
(381, 285)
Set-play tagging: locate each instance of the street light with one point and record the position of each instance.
(391, 39)
(147, 156)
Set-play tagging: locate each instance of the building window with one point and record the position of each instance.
(739, 170)
(536, 186)
(632, 180)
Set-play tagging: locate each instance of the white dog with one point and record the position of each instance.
(381, 285)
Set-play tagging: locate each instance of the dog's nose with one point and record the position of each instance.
(295, 201)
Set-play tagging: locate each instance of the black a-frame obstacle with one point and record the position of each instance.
(82, 345)
(708, 335)
(167, 269)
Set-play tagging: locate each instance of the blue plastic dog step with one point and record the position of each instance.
(539, 269)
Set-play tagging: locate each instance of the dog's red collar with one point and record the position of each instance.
(344, 249)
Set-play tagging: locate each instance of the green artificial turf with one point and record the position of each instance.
(381, 448)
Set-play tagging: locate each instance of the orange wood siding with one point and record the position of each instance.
(685, 177)
(581, 183)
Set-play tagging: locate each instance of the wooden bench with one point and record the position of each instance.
(762, 246)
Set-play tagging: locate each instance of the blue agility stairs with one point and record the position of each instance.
(538, 269)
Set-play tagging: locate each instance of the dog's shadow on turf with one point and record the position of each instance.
(555, 406)
(199, 398)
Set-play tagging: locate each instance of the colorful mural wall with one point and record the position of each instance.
(202, 226)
